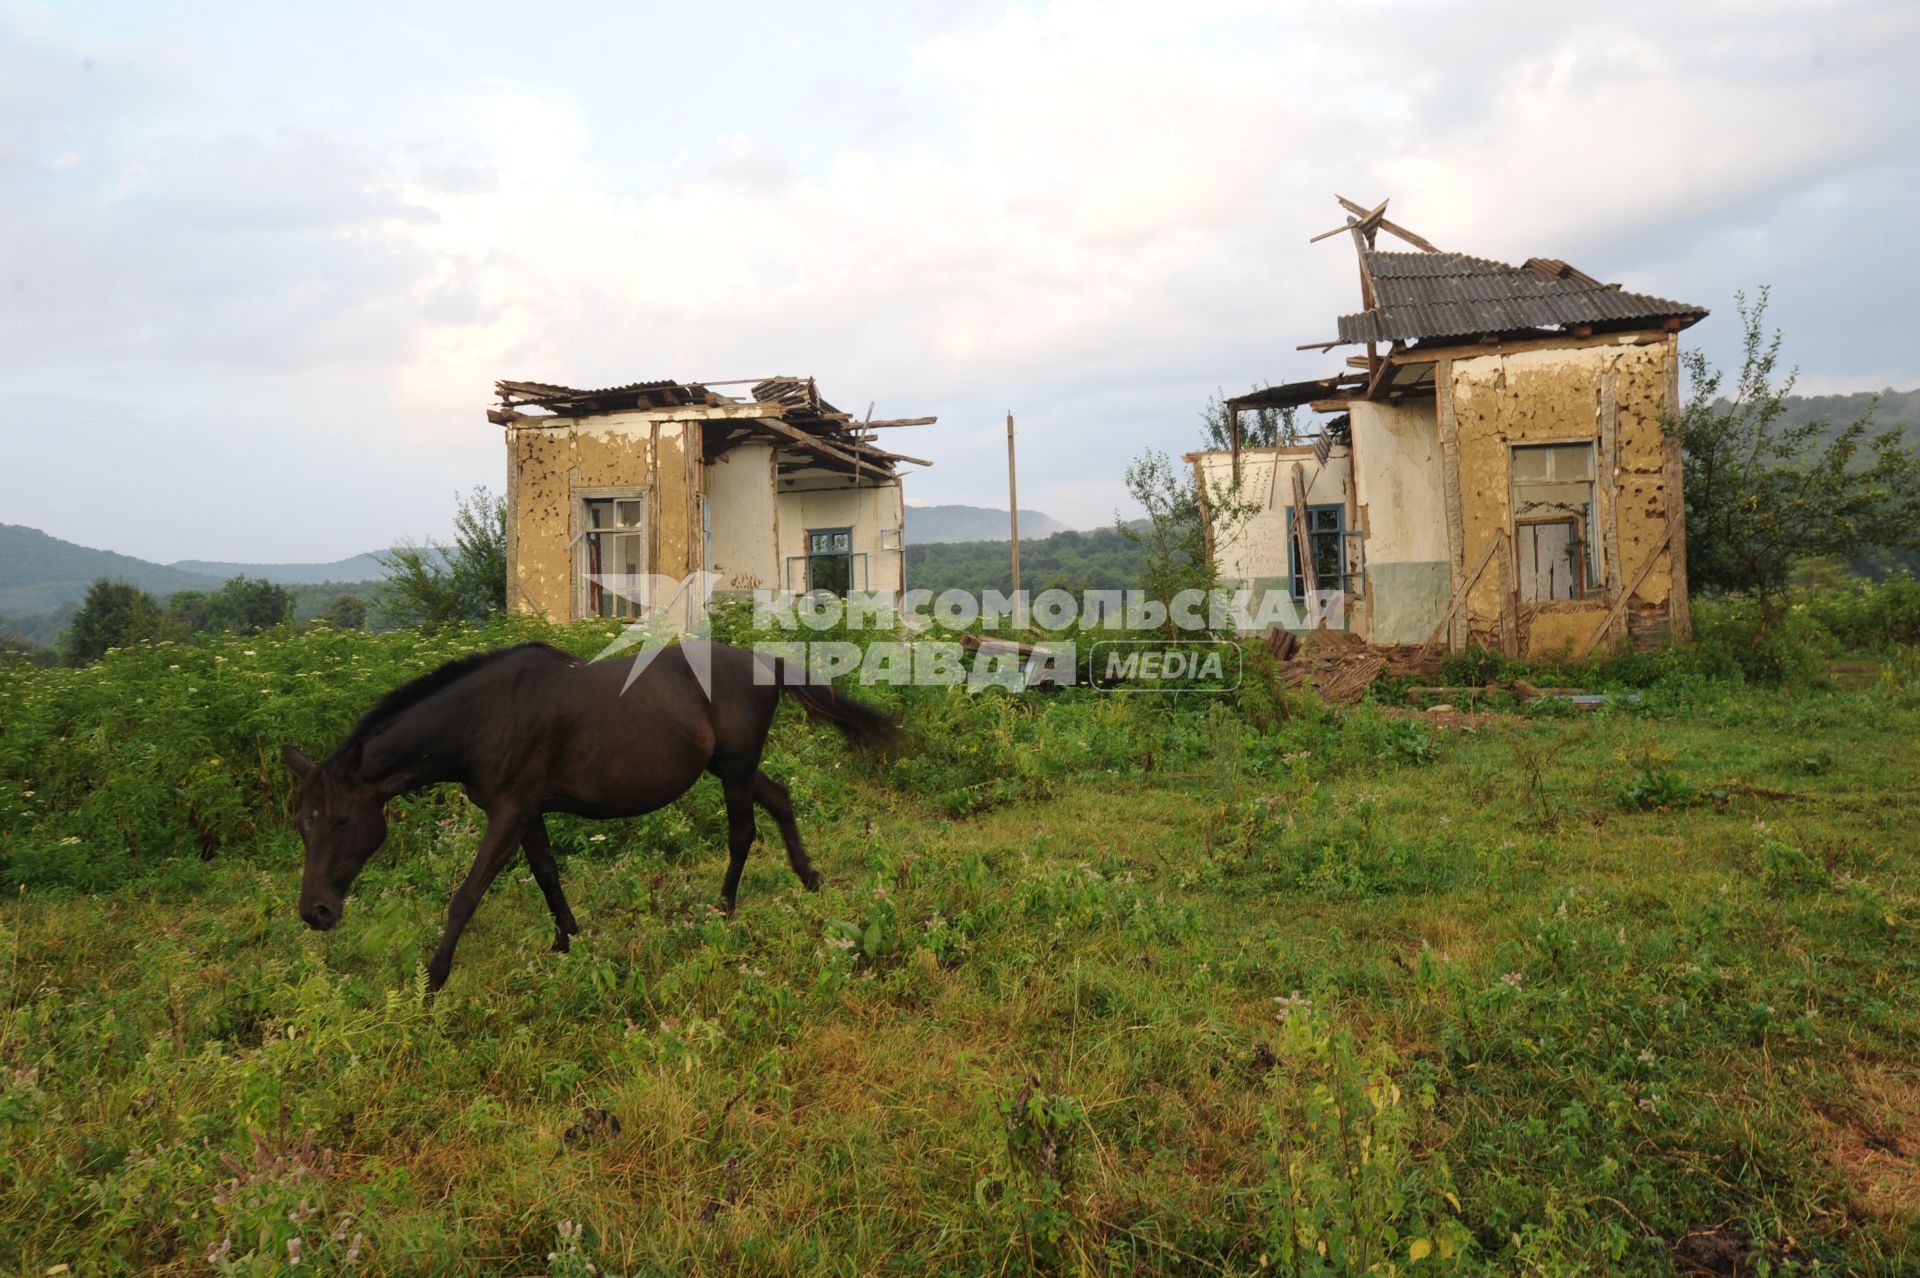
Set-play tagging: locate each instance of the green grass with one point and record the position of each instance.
(1096, 985)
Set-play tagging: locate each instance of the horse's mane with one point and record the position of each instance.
(418, 690)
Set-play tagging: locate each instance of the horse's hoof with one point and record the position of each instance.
(813, 880)
(562, 943)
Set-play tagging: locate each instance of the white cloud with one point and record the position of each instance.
(1092, 214)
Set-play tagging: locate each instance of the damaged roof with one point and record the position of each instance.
(1421, 295)
(808, 432)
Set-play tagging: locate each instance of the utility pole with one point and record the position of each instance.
(1013, 505)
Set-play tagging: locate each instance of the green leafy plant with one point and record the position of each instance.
(1344, 1192)
(1037, 1199)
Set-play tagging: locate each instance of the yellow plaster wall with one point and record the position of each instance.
(1555, 396)
(550, 465)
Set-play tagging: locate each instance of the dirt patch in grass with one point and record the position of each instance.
(1875, 1142)
(1724, 1253)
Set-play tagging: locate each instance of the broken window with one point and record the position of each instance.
(1553, 520)
(830, 560)
(612, 554)
(1326, 533)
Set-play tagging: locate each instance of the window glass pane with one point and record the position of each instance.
(1326, 519)
(1573, 461)
(626, 555)
(599, 514)
(629, 514)
(1531, 464)
(1326, 560)
(842, 541)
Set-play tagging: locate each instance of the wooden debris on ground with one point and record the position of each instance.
(1040, 673)
(1522, 691)
(1340, 666)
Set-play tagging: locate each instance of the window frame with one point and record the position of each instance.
(1590, 571)
(584, 590)
(849, 554)
(1296, 583)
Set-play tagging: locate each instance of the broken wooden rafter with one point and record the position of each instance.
(1390, 228)
(811, 443)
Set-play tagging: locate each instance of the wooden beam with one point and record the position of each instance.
(1400, 232)
(811, 443)
(871, 451)
(1620, 605)
(1494, 346)
(1509, 598)
(1609, 489)
(1460, 596)
(1013, 507)
(1303, 539)
(1450, 470)
(1679, 605)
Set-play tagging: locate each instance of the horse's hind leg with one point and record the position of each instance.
(740, 833)
(546, 873)
(772, 796)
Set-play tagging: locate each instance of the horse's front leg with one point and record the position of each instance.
(539, 849)
(505, 828)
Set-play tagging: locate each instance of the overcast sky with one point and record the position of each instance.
(262, 263)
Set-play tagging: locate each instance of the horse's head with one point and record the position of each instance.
(343, 822)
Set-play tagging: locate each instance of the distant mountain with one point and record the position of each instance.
(38, 573)
(359, 568)
(927, 524)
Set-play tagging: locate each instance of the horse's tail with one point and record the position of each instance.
(860, 722)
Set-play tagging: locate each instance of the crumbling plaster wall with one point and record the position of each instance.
(550, 464)
(1253, 551)
(1611, 393)
(744, 515)
(868, 509)
(1400, 496)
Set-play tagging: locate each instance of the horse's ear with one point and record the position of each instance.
(302, 766)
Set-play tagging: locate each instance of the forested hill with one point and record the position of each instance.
(1076, 561)
(38, 573)
(1896, 408)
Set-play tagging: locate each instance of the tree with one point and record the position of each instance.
(113, 615)
(242, 605)
(348, 612)
(1259, 427)
(246, 605)
(437, 585)
(191, 610)
(1763, 493)
(1173, 538)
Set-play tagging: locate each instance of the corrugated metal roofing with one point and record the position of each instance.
(1428, 295)
(561, 399)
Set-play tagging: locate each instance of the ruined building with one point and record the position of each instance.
(777, 489)
(1493, 470)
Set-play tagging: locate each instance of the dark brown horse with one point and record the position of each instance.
(530, 730)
